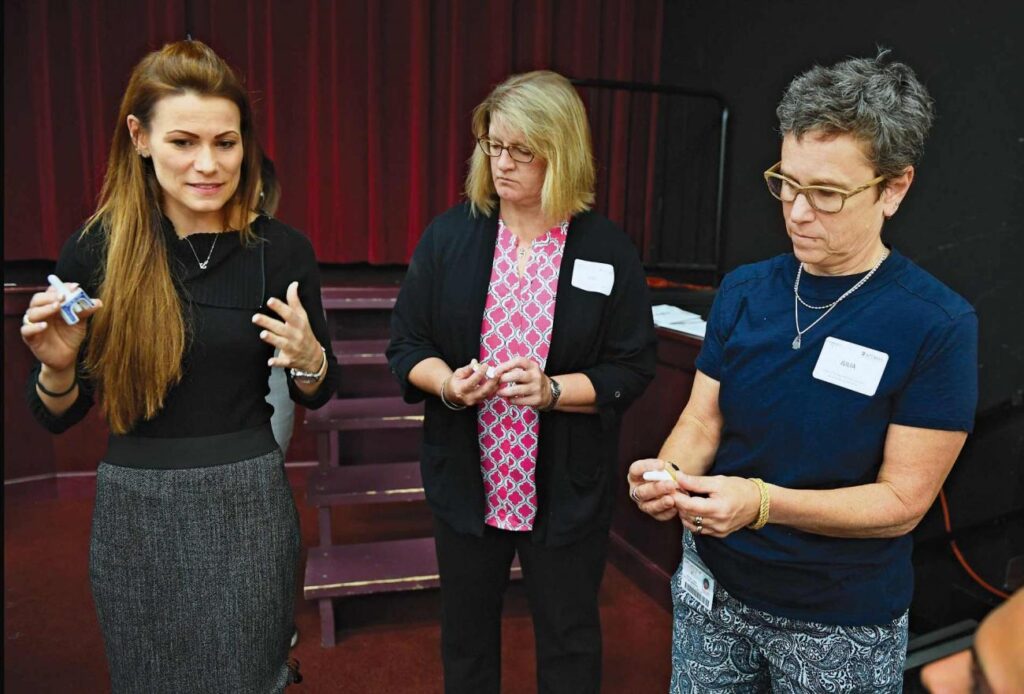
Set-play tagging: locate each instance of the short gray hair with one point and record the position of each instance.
(880, 103)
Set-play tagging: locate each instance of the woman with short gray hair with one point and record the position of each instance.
(834, 391)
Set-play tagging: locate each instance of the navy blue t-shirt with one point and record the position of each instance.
(785, 426)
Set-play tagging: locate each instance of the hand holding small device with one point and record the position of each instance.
(55, 343)
(469, 385)
(72, 300)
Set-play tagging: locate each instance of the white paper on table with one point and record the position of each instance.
(675, 318)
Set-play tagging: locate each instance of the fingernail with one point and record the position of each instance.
(270, 362)
(263, 334)
(255, 316)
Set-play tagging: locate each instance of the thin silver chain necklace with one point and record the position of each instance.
(827, 307)
(203, 263)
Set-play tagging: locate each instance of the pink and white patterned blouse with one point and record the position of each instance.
(517, 322)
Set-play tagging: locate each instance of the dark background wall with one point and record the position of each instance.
(962, 220)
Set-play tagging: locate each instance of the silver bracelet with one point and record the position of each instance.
(444, 400)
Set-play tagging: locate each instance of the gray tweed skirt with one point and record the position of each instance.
(193, 574)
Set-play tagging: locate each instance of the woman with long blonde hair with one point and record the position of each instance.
(195, 537)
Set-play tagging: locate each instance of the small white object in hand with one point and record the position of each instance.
(476, 365)
(657, 476)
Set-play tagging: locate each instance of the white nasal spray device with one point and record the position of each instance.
(71, 302)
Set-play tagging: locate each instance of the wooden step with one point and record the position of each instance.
(374, 567)
(358, 298)
(360, 352)
(361, 484)
(347, 414)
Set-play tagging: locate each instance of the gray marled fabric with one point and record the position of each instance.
(193, 574)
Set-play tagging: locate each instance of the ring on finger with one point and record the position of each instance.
(25, 319)
(633, 496)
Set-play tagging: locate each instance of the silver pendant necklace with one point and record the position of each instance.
(203, 263)
(827, 307)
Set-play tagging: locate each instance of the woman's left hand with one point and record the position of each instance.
(293, 337)
(722, 504)
(523, 383)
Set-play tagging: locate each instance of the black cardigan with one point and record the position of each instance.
(610, 339)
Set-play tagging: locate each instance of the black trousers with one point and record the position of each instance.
(561, 584)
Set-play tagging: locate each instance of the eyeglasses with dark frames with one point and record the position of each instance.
(523, 155)
(827, 199)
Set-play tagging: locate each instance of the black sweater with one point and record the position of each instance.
(609, 338)
(224, 375)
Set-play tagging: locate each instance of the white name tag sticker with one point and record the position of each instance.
(697, 581)
(850, 366)
(593, 277)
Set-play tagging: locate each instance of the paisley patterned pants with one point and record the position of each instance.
(735, 648)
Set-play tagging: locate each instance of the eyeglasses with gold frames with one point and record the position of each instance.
(523, 155)
(827, 199)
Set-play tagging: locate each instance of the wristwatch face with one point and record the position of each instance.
(556, 390)
(302, 376)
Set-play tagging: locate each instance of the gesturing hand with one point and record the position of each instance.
(52, 341)
(297, 347)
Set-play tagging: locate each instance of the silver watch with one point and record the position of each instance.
(556, 392)
(310, 376)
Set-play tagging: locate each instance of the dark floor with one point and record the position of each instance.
(386, 643)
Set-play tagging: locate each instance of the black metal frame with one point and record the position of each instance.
(723, 139)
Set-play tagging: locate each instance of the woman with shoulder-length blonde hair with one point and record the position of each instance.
(525, 324)
(195, 535)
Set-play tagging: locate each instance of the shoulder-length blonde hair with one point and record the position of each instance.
(136, 342)
(545, 107)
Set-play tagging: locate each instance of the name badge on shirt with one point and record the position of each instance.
(593, 277)
(850, 366)
(697, 580)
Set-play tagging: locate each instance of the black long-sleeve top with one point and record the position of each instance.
(608, 337)
(224, 368)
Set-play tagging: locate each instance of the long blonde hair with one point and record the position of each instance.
(137, 341)
(545, 107)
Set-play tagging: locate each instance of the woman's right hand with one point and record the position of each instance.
(656, 499)
(468, 386)
(52, 341)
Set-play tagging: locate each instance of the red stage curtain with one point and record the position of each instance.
(65, 68)
(364, 105)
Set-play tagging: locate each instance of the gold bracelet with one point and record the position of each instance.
(766, 502)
